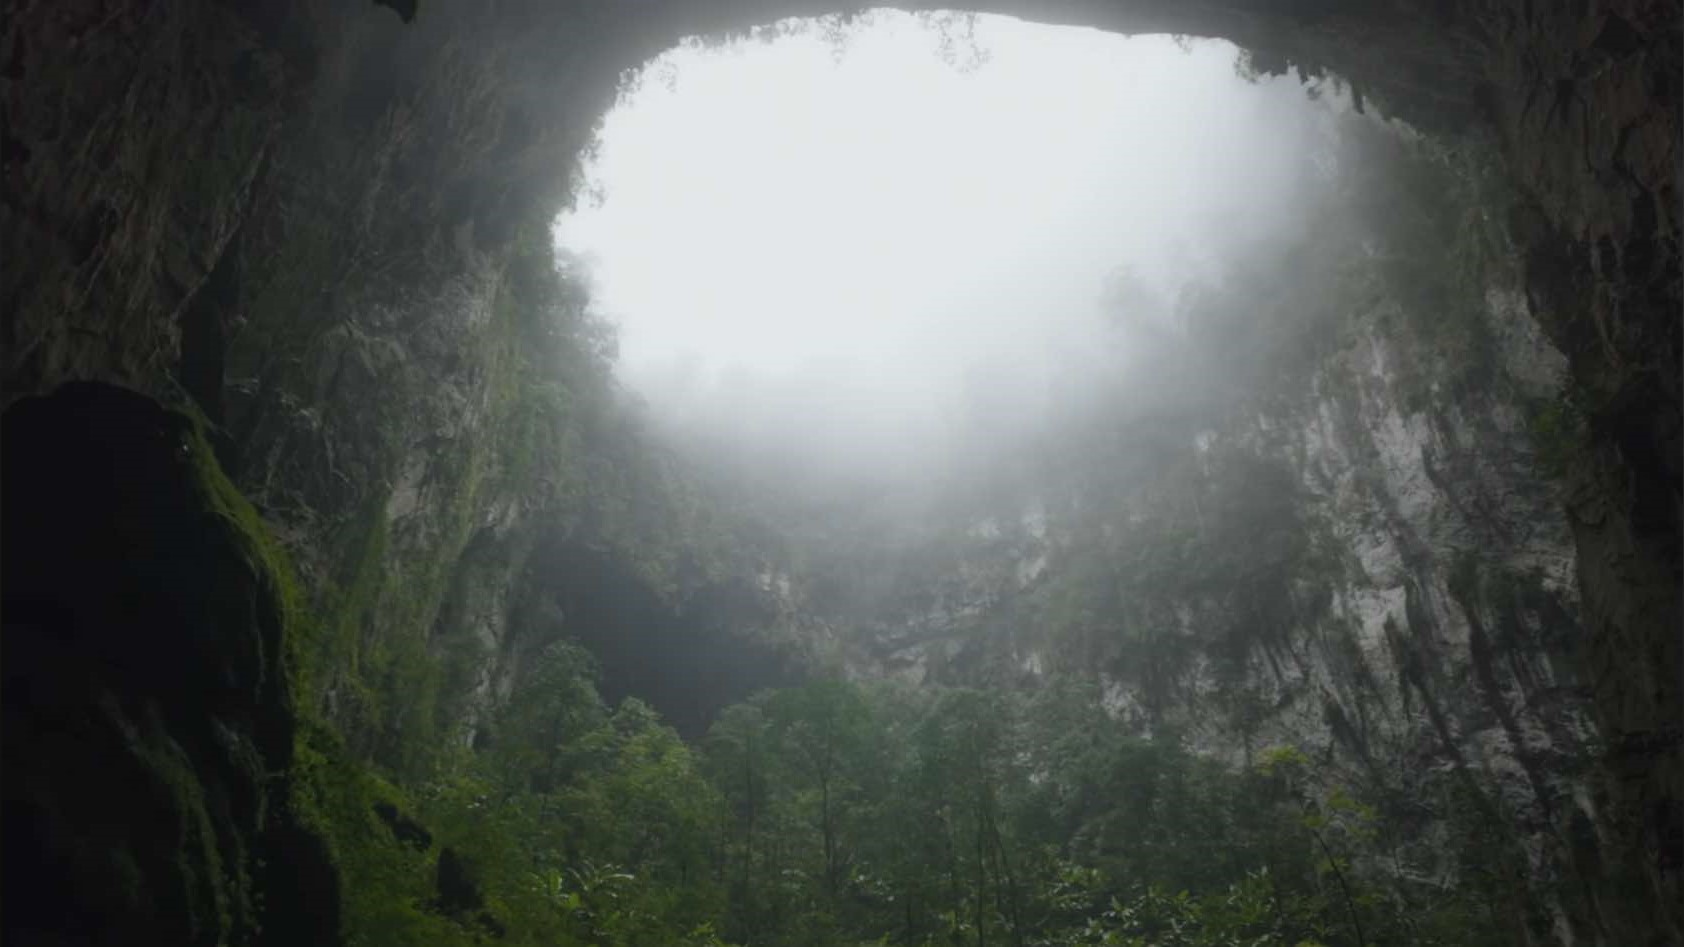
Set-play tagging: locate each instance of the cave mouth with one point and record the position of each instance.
(688, 661)
(855, 250)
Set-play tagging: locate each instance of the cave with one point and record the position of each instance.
(689, 662)
(270, 502)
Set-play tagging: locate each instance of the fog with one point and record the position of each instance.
(872, 258)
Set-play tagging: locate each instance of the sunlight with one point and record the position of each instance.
(879, 222)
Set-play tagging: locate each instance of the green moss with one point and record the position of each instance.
(335, 796)
(384, 885)
(322, 787)
(217, 896)
(268, 560)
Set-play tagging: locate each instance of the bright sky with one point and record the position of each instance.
(853, 234)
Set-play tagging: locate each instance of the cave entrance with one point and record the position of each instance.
(858, 250)
(869, 275)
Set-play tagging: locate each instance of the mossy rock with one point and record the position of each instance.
(148, 726)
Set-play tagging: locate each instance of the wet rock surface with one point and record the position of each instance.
(148, 727)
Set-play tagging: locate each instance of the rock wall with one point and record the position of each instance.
(1379, 574)
(134, 135)
(148, 707)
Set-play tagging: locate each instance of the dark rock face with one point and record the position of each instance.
(688, 660)
(460, 894)
(148, 729)
(1589, 123)
(459, 891)
(133, 134)
(404, 829)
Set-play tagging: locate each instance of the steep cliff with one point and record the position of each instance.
(1388, 588)
(1357, 548)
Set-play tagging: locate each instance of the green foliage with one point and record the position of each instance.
(384, 884)
(580, 826)
(975, 819)
(609, 846)
(1288, 762)
(841, 814)
(327, 792)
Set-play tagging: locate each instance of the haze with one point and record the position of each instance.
(859, 259)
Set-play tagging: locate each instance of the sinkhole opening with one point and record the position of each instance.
(887, 250)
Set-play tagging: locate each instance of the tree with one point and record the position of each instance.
(822, 732)
(736, 751)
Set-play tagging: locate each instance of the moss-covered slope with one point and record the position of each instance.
(149, 721)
